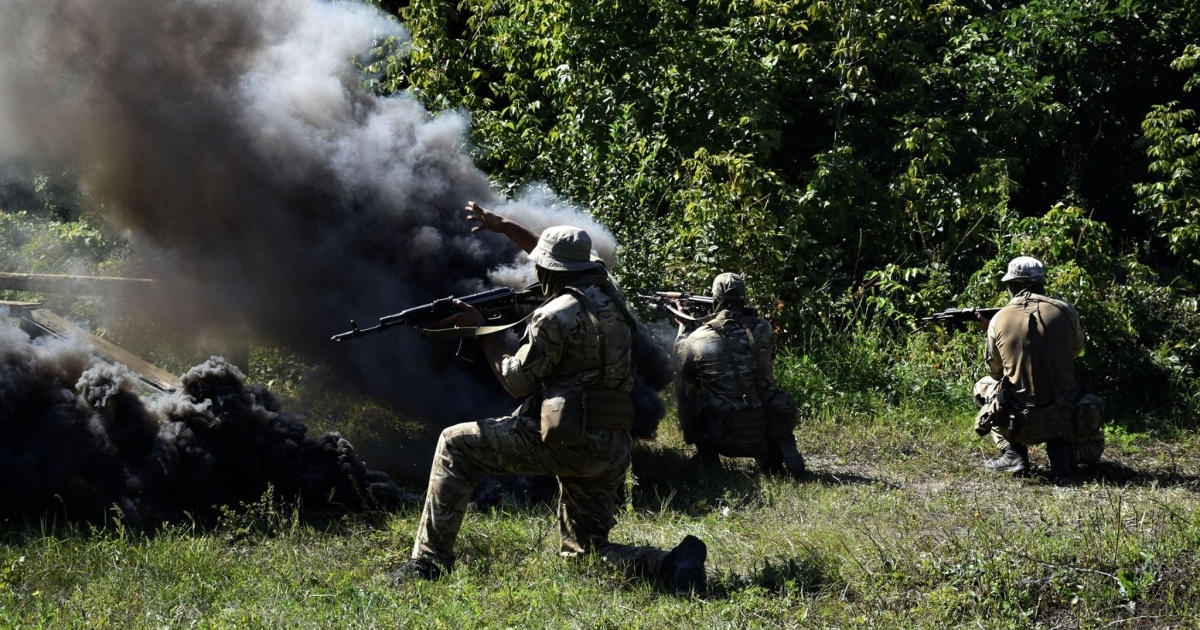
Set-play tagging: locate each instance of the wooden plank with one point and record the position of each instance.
(76, 285)
(19, 309)
(150, 374)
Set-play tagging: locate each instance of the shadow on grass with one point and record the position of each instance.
(668, 479)
(1118, 474)
(782, 576)
(826, 478)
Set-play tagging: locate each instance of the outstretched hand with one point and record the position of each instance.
(486, 219)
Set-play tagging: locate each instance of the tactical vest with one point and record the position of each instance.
(568, 412)
(767, 413)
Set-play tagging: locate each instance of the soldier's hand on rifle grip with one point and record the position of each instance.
(487, 219)
(467, 316)
(982, 321)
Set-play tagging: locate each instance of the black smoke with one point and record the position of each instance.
(79, 440)
(232, 143)
(271, 195)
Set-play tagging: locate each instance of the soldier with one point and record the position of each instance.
(574, 366)
(1031, 394)
(729, 403)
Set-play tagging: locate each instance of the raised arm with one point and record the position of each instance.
(492, 222)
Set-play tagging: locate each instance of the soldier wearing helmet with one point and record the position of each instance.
(1032, 394)
(574, 368)
(729, 403)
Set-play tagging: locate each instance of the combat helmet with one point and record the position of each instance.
(729, 287)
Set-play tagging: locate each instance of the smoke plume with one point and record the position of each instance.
(231, 140)
(78, 440)
(272, 197)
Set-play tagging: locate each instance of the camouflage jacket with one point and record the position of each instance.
(560, 349)
(1033, 342)
(726, 362)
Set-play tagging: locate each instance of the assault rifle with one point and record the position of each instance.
(959, 315)
(496, 305)
(695, 307)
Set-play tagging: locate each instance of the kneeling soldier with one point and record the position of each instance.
(1031, 394)
(574, 367)
(729, 402)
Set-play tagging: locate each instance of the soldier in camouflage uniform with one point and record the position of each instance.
(580, 340)
(1031, 394)
(729, 403)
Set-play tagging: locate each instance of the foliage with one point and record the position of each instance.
(1172, 197)
(857, 160)
(33, 244)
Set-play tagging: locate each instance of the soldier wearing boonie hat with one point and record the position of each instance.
(561, 253)
(579, 341)
(1032, 394)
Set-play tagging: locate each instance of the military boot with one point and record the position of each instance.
(1062, 461)
(707, 457)
(416, 569)
(1014, 459)
(683, 568)
(793, 461)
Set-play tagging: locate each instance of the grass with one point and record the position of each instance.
(922, 539)
(896, 526)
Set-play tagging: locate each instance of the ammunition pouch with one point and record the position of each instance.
(1042, 424)
(735, 432)
(782, 415)
(568, 412)
(993, 416)
(998, 410)
(1088, 414)
(609, 409)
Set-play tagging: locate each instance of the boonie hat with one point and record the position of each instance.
(563, 248)
(729, 286)
(1025, 268)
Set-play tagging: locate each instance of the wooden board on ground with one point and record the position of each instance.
(75, 285)
(150, 374)
(19, 308)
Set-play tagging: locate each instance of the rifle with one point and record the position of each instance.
(959, 315)
(495, 304)
(696, 308)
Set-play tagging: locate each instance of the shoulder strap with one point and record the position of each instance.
(605, 283)
(763, 368)
(1043, 350)
(737, 373)
(593, 325)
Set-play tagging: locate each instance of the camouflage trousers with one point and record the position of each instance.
(1080, 425)
(590, 477)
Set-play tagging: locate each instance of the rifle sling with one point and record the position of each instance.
(685, 317)
(470, 331)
